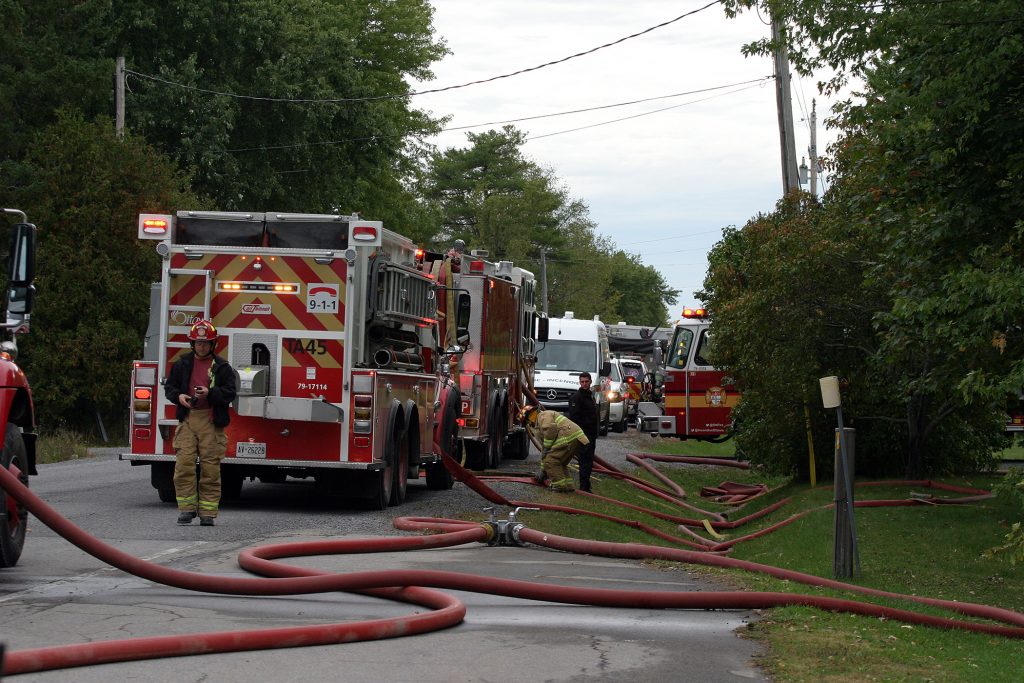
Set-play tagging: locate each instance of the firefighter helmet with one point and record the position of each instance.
(203, 330)
(528, 414)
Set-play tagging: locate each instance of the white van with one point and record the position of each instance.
(573, 346)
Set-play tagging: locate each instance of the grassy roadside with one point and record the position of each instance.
(933, 551)
(61, 444)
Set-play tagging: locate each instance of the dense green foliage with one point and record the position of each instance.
(912, 277)
(491, 196)
(85, 190)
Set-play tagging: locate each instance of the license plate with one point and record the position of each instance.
(249, 449)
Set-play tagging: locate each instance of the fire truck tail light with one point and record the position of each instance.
(143, 393)
(362, 426)
(364, 233)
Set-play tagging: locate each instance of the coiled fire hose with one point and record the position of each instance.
(416, 587)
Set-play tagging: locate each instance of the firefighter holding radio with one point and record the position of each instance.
(202, 385)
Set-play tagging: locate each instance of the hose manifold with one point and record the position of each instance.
(505, 531)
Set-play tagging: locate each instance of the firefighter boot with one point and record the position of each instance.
(186, 517)
(541, 478)
(563, 485)
(206, 521)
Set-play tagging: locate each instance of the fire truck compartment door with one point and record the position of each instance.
(284, 408)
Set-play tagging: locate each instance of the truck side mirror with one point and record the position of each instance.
(543, 327)
(606, 368)
(21, 262)
(462, 319)
(21, 271)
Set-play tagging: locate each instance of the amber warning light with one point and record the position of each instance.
(694, 313)
(154, 226)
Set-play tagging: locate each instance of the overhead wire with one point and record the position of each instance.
(421, 92)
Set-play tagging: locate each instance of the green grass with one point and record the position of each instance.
(1014, 452)
(60, 444)
(933, 551)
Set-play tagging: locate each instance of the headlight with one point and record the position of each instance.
(614, 396)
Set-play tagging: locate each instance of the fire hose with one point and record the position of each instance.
(418, 587)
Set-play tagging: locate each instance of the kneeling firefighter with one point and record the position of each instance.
(560, 437)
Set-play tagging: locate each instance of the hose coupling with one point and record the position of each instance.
(505, 531)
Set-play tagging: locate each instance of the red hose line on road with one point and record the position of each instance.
(411, 586)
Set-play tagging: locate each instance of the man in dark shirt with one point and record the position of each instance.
(583, 411)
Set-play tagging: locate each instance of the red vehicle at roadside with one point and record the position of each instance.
(696, 397)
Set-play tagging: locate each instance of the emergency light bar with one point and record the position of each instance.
(272, 287)
(694, 313)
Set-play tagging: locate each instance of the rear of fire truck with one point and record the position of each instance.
(696, 398)
(497, 363)
(331, 329)
(17, 413)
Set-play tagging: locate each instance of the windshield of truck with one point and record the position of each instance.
(680, 349)
(567, 355)
(634, 370)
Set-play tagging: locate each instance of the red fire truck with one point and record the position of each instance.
(696, 398)
(332, 329)
(17, 413)
(496, 364)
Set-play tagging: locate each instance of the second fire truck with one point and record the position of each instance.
(696, 398)
(332, 329)
(497, 366)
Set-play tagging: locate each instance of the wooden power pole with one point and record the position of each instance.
(784, 102)
(119, 98)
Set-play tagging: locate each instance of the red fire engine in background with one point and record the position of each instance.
(332, 329)
(497, 363)
(696, 398)
(17, 413)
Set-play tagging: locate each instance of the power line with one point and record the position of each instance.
(636, 116)
(419, 92)
(750, 83)
(610, 106)
(675, 237)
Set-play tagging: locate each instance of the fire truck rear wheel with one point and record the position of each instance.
(12, 535)
(161, 476)
(399, 458)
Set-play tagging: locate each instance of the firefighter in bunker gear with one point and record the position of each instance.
(202, 385)
(560, 437)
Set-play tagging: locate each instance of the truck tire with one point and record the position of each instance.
(438, 476)
(161, 476)
(519, 446)
(400, 469)
(15, 519)
(230, 484)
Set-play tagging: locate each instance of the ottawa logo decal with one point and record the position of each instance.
(715, 397)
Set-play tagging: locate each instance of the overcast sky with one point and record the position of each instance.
(661, 185)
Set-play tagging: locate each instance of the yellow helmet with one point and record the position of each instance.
(528, 413)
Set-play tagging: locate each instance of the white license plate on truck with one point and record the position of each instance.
(250, 449)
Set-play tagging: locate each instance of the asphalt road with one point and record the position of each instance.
(57, 594)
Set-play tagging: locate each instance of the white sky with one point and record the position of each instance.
(661, 186)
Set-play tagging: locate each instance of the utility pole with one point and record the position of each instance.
(544, 279)
(784, 102)
(119, 98)
(813, 151)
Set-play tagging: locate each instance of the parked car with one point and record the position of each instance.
(635, 373)
(621, 402)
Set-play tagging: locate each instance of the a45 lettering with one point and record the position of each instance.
(314, 347)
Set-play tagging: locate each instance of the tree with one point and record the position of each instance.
(84, 190)
(932, 177)
(200, 60)
(492, 197)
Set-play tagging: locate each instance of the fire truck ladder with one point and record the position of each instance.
(202, 311)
